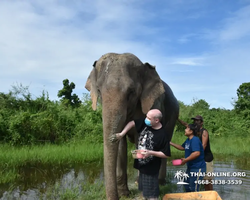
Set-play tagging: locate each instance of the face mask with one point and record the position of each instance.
(148, 122)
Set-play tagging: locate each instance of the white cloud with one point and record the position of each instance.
(186, 38)
(186, 62)
(236, 27)
(39, 44)
(43, 42)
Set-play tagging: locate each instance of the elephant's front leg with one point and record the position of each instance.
(163, 172)
(121, 170)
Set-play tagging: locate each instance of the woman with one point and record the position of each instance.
(194, 157)
(204, 138)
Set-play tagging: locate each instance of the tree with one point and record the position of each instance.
(201, 104)
(68, 98)
(243, 93)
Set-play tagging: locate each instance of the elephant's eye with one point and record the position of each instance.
(99, 92)
(131, 93)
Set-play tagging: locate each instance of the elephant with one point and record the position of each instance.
(127, 89)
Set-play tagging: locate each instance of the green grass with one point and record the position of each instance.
(82, 191)
(90, 191)
(222, 147)
(12, 158)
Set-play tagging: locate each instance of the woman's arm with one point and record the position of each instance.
(192, 156)
(177, 146)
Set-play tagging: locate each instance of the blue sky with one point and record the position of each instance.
(200, 48)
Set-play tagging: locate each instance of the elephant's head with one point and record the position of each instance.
(125, 85)
(125, 75)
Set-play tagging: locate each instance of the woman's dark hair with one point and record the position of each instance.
(195, 128)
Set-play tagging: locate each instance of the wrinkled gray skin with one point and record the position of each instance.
(128, 89)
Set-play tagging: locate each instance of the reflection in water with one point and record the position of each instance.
(231, 191)
(35, 181)
(224, 184)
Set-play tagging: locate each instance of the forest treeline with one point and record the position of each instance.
(25, 120)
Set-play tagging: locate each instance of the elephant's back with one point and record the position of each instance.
(121, 59)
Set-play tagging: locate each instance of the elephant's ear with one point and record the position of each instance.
(91, 86)
(152, 87)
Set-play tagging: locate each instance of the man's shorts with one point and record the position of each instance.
(210, 169)
(149, 185)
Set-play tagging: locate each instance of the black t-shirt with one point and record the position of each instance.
(151, 139)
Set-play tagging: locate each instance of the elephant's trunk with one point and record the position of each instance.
(113, 122)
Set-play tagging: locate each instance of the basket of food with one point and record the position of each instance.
(136, 154)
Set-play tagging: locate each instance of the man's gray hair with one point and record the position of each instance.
(158, 116)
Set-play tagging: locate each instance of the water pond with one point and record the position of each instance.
(232, 180)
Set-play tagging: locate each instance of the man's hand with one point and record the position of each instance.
(115, 137)
(145, 153)
(118, 136)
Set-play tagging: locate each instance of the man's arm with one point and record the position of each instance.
(159, 154)
(183, 123)
(126, 129)
(117, 136)
(204, 139)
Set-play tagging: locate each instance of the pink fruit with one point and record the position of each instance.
(139, 155)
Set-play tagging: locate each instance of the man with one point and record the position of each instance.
(155, 144)
(204, 137)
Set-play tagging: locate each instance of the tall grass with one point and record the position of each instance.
(84, 151)
(13, 158)
(222, 147)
